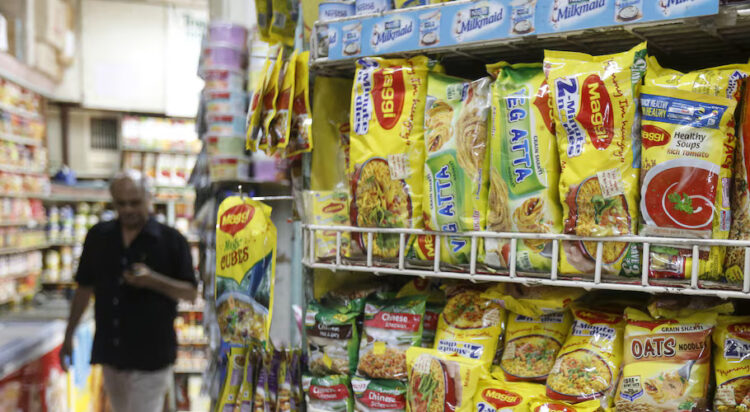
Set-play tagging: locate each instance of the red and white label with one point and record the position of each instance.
(380, 400)
(396, 321)
(329, 393)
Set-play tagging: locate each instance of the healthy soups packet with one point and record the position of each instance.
(387, 148)
(524, 166)
(595, 107)
(245, 269)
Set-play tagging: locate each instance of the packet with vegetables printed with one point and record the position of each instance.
(300, 138)
(245, 269)
(499, 395)
(282, 119)
(390, 327)
(329, 394)
(732, 363)
(734, 263)
(667, 363)
(588, 364)
(378, 395)
(595, 101)
(545, 404)
(456, 168)
(332, 339)
(524, 166)
(440, 381)
(435, 304)
(387, 148)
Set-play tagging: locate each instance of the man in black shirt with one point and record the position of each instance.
(137, 269)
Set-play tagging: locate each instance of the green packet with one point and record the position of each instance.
(383, 395)
(332, 339)
(329, 393)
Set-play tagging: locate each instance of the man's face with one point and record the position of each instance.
(130, 203)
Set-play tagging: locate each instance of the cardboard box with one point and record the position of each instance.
(51, 21)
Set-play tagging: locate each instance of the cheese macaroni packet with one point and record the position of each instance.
(470, 326)
(440, 381)
(329, 393)
(667, 362)
(734, 262)
(524, 166)
(544, 404)
(688, 147)
(378, 395)
(387, 148)
(499, 395)
(595, 101)
(456, 168)
(732, 363)
(532, 344)
(588, 364)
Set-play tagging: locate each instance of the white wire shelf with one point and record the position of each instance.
(473, 270)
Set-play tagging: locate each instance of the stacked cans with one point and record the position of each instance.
(223, 67)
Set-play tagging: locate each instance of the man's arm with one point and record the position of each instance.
(143, 277)
(81, 300)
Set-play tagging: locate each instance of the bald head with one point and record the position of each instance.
(130, 191)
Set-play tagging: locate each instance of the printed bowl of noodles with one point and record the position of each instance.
(240, 318)
(529, 357)
(430, 387)
(468, 310)
(380, 201)
(578, 375)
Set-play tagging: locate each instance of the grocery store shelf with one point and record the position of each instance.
(24, 223)
(59, 243)
(14, 250)
(20, 140)
(24, 195)
(19, 275)
(63, 198)
(189, 371)
(25, 76)
(235, 182)
(473, 271)
(22, 170)
(190, 309)
(58, 285)
(20, 112)
(159, 151)
(193, 342)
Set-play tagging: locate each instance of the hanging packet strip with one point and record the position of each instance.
(282, 119)
(229, 396)
(245, 269)
(378, 395)
(456, 169)
(300, 138)
(667, 362)
(595, 106)
(732, 363)
(688, 147)
(588, 364)
(332, 339)
(263, 12)
(532, 344)
(262, 396)
(387, 148)
(255, 107)
(440, 381)
(283, 21)
(524, 166)
(247, 389)
(499, 395)
(734, 264)
(268, 105)
(330, 393)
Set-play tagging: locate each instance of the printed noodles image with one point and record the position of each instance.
(532, 344)
(440, 382)
(732, 363)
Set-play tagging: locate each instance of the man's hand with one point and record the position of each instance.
(139, 276)
(66, 353)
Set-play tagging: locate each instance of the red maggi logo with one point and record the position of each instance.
(596, 114)
(501, 398)
(597, 317)
(654, 136)
(333, 208)
(236, 218)
(388, 96)
(740, 329)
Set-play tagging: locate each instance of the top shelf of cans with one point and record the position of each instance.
(520, 29)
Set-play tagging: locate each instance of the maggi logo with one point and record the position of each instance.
(501, 398)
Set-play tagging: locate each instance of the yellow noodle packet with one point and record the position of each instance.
(734, 262)
(588, 364)
(300, 139)
(595, 101)
(329, 208)
(532, 301)
(268, 104)
(524, 166)
(230, 390)
(282, 119)
(499, 395)
(283, 22)
(330, 133)
(387, 148)
(256, 107)
(732, 363)
(545, 404)
(438, 381)
(263, 13)
(667, 362)
(721, 81)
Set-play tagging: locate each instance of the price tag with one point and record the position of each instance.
(327, 361)
(378, 348)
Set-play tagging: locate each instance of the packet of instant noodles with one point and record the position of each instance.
(262, 395)
(433, 308)
(456, 168)
(255, 107)
(329, 393)
(378, 395)
(332, 339)
(300, 138)
(387, 148)
(732, 363)
(282, 120)
(545, 404)
(734, 262)
(390, 327)
(245, 397)
(268, 103)
(722, 81)
(263, 12)
(524, 166)
(499, 395)
(236, 361)
(245, 269)
(285, 397)
(327, 207)
(532, 301)
(688, 144)
(440, 381)
(329, 131)
(588, 364)
(595, 101)
(666, 363)
(682, 306)
(283, 21)
(531, 345)
(470, 326)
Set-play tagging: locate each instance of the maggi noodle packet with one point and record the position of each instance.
(688, 146)
(435, 304)
(268, 103)
(545, 404)
(456, 168)
(439, 381)
(732, 363)
(387, 148)
(329, 393)
(282, 120)
(391, 326)
(378, 395)
(262, 395)
(532, 301)
(588, 364)
(332, 339)
(499, 395)
(230, 390)
(329, 131)
(681, 306)
(256, 106)
(721, 81)
(245, 269)
(734, 263)
(247, 388)
(524, 166)
(300, 133)
(531, 345)
(666, 363)
(331, 208)
(470, 326)
(595, 101)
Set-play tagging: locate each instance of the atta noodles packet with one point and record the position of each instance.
(245, 269)
(734, 262)
(524, 166)
(595, 105)
(387, 149)
(732, 363)
(456, 168)
(667, 362)
(688, 147)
